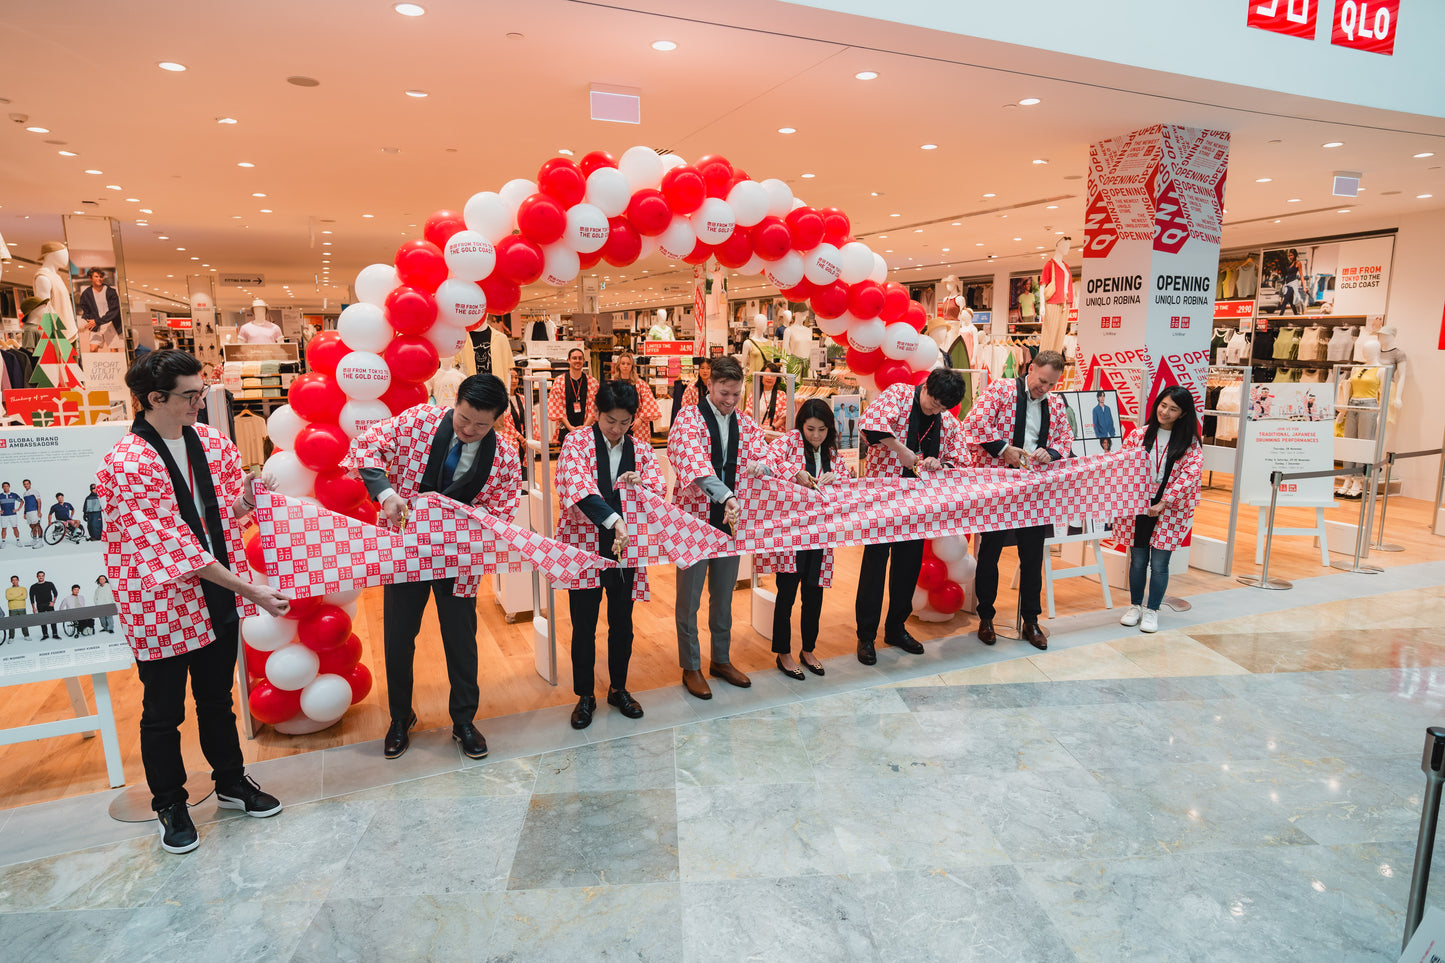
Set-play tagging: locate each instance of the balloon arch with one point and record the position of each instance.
(305, 669)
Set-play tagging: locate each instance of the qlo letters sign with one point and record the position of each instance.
(1294, 18)
(1366, 25)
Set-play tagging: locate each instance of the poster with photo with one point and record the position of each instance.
(1095, 421)
(1346, 278)
(846, 411)
(1289, 428)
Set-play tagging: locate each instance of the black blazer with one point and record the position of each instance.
(90, 311)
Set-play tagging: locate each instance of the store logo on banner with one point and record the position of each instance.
(1367, 25)
(1100, 234)
(1294, 18)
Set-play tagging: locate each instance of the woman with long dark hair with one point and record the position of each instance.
(624, 368)
(1176, 461)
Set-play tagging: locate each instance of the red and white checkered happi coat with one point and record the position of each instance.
(576, 479)
(889, 413)
(647, 412)
(557, 404)
(779, 420)
(689, 396)
(689, 451)
(992, 419)
(1181, 496)
(786, 457)
(152, 557)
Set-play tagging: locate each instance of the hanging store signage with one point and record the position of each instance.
(1231, 310)
(244, 280)
(655, 348)
(1293, 18)
(1367, 25)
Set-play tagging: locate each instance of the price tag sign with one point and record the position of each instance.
(1366, 25)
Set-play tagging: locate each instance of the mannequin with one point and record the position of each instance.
(953, 316)
(52, 281)
(753, 355)
(259, 330)
(1360, 413)
(445, 382)
(1028, 303)
(660, 330)
(1058, 297)
(30, 311)
(492, 346)
(759, 326)
(1393, 356)
(1371, 333)
(798, 336)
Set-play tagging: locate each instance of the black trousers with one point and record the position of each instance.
(902, 580)
(53, 629)
(1031, 569)
(403, 605)
(212, 671)
(583, 605)
(810, 569)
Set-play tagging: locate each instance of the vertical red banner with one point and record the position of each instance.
(1294, 18)
(1368, 25)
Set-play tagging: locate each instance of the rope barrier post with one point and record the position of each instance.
(1380, 544)
(1362, 531)
(1433, 766)
(1439, 489)
(1262, 580)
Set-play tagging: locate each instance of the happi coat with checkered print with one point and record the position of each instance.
(889, 413)
(689, 451)
(152, 557)
(786, 457)
(992, 419)
(1181, 496)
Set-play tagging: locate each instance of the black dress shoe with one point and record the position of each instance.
(814, 667)
(790, 673)
(625, 704)
(905, 642)
(986, 634)
(473, 745)
(866, 653)
(1034, 636)
(398, 737)
(582, 715)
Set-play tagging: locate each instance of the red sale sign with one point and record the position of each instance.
(1295, 18)
(1366, 25)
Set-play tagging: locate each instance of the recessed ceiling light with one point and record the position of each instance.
(171, 65)
(416, 93)
(1343, 210)
(866, 75)
(1293, 200)
(95, 172)
(956, 224)
(1421, 197)
(561, 150)
(325, 232)
(978, 244)
(193, 258)
(368, 215)
(929, 147)
(226, 120)
(114, 187)
(132, 200)
(788, 130)
(146, 210)
(67, 153)
(258, 195)
(1428, 153)
(244, 164)
(163, 237)
(265, 210)
(1041, 160)
(895, 215)
(663, 45)
(1334, 143)
(326, 243)
(299, 81)
(1018, 239)
(883, 237)
(1263, 180)
(180, 249)
(808, 176)
(1028, 101)
(990, 195)
(38, 130)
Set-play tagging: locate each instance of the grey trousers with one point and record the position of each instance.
(721, 576)
(1360, 423)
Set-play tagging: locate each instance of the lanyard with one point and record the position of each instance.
(1161, 455)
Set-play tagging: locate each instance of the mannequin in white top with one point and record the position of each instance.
(1392, 355)
(660, 330)
(259, 330)
(52, 281)
(798, 336)
(1372, 326)
(445, 382)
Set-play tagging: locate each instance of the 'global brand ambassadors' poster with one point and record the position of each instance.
(1291, 428)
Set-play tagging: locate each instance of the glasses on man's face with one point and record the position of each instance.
(193, 399)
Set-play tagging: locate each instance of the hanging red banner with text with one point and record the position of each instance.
(1294, 18)
(1368, 25)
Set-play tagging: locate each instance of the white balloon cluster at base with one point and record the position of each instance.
(952, 550)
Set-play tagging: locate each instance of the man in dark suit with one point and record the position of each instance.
(453, 451)
(99, 308)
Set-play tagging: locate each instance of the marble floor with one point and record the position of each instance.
(1244, 786)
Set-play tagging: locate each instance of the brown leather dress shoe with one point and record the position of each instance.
(729, 673)
(695, 684)
(986, 634)
(1034, 635)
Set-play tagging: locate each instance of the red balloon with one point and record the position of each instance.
(403, 395)
(831, 300)
(771, 238)
(623, 245)
(841, 339)
(931, 574)
(420, 264)
(895, 302)
(915, 316)
(684, 188)
(542, 219)
(806, 227)
(918, 377)
(648, 212)
(339, 659)
(892, 372)
(328, 626)
(300, 608)
(947, 598)
(442, 225)
(410, 310)
(254, 556)
(564, 180)
(519, 260)
(316, 398)
(739, 175)
(864, 362)
(321, 447)
(737, 250)
(700, 253)
(595, 159)
(717, 172)
(865, 300)
(410, 357)
(364, 511)
(502, 295)
(255, 662)
(928, 548)
(338, 490)
(587, 262)
(325, 352)
(800, 292)
(272, 705)
(837, 229)
(359, 678)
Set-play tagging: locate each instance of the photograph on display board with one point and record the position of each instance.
(1094, 420)
(1290, 402)
(1300, 280)
(846, 410)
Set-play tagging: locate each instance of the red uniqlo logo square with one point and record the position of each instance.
(1294, 18)
(4, 442)
(1366, 25)
(1289, 487)
(1174, 321)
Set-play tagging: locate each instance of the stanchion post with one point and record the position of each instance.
(1433, 765)
(1439, 488)
(1380, 544)
(1263, 580)
(1362, 530)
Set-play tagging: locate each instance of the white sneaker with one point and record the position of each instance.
(1150, 622)
(1131, 617)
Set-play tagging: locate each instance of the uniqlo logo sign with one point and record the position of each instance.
(1289, 488)
(1179, 322)
(1111, 323)
(1295, 18)
(1366, 25)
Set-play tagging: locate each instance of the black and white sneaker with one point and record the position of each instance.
(178, 833)
(248, 797)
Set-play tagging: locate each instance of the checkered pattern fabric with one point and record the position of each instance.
(647, 413)
(786, 458)
(1181, 496)
(992, 419)
(557, 404)
(507, 434)
(778, 420)
(152, 557)
(689, 396)
(889, 413)
(576, 479)
(689, 451)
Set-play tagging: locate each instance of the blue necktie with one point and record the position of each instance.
(449, 466)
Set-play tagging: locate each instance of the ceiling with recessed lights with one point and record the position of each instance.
(305, 144)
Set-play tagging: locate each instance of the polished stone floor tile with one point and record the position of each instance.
(1064, 813)
(741, 750)
(438, 929)
(268, 930)
(503, 777)
(1098, 661)
(121, 874)
(640, 922)
(636, 762)
(1119, 735)
(80, 822)
(886, 746)
(993, 740)
(728, 832)
(597, 839)
(346, 769)
(662, 710)
(808, 918)
(1174, 654)
(1295, 649)
(1012, 670)
(80, 936)
(291, 779)
(525, 734)
(884, 825)
(769, 689)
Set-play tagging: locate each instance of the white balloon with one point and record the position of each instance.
(786, 271)
(513, 193)
(820, 265)
(363, 375)
(459, 303)
(920, 599)
(283, 425)
(291, 666)
(363, 327)
(560, 263)
(925, 356)
(375, 281)
(949, 548)
(672, 162)
(299, 725)
(267, 633)
(290, 476)
(642, 168)
(342, 598)
(880, 269)
(678, 239)
(855, 261)
(470, 256)
(350, 609)
(780, 197)
(926, 614)
(608, 191)
(753, 266)
(487, 214)
(446, 338)
(797, 203)
(325, 697)
(962, 570)
(586, 229)
(714, 222)
(900, 341)
(357, 416)
(749, 201)
(865, 335)
(834, 326)
(649, 247)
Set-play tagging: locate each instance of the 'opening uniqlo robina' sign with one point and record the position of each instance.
(1295, 18)
(1366, 25)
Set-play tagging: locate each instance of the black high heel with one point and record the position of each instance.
(790, 673)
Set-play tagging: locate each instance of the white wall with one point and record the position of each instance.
(1417, 301)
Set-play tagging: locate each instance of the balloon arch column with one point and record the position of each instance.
(305, 669)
